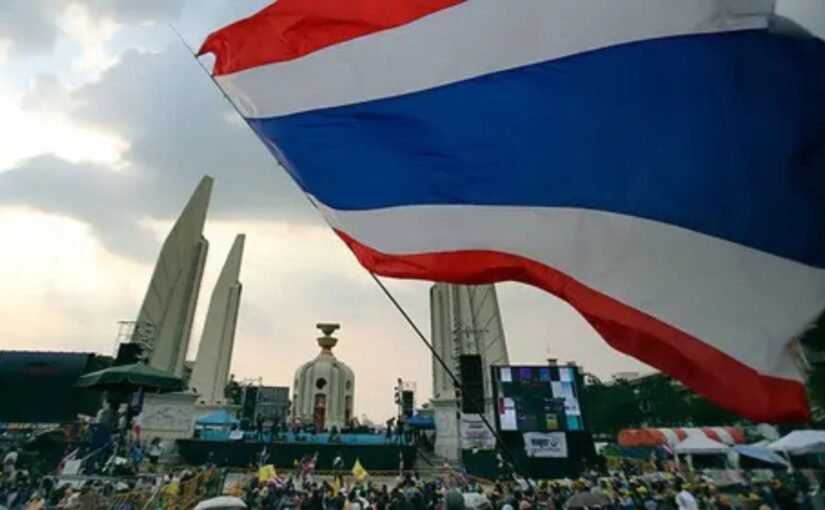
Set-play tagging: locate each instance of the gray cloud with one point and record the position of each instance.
(131, 11)
(47, 93)
(28, 25)
(179, 128)
(89, 193)
(31, 25)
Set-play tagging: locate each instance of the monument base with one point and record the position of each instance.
(204, 409)
(168, 417)
(446, 429)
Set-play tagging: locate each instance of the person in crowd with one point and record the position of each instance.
(334, 434)
(390, 426)
(259, 428)
(154, 451)
(338, 463)
(684, 499)
(137, 456)
(399, 431)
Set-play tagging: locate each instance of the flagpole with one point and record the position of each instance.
(234, 106)
(479, 409)
(413, 325)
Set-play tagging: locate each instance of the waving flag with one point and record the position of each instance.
(658, 165)
(137, 421)
(267, 473)
(359, 472)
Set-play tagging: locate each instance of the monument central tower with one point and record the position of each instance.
(324, 388)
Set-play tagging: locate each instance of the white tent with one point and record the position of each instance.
(801, 442)
(701, 444)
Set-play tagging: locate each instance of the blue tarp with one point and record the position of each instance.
(421, 422)
(218, 418)
(759, 453)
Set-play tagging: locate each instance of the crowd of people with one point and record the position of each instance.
(177, 489)
(617, 491)
(620, 486)
(447, 490)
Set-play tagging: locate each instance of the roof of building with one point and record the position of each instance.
(39, 386)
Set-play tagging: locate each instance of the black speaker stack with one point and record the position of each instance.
(472, 382)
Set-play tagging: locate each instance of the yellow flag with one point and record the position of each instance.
(358, 471)
(336, 486)
(266, 473)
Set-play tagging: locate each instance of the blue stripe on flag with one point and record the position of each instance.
(722, 134)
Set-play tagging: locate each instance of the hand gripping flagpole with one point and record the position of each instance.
(478, 408)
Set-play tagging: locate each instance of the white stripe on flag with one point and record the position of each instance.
(473, 39)
(743, 302)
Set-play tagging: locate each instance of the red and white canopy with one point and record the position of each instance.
(672, 436)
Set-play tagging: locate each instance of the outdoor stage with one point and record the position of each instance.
(245, 452)
(580, 455)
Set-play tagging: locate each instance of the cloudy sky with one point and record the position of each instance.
(106, 126)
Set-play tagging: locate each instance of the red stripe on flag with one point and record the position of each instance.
(713, 374)
(290, 29)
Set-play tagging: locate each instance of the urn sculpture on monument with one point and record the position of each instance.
(324, 391)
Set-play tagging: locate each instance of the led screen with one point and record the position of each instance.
(538, 399)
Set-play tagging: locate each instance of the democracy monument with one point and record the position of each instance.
(535, 412)
(467, 337)
(466, 325)
(324, 389)
(162, 331)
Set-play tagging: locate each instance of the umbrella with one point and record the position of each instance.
(587, 500)
(221, 503)
(134, 376)
(475, 501)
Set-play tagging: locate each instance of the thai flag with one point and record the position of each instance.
(72, 455)
(137, 421)
(658, 165)
(279, 482)
(308, 464)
